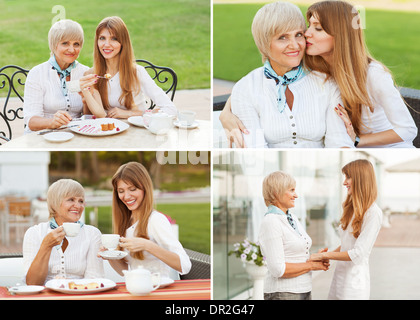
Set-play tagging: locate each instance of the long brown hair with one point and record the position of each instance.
(363, 195)
(136, 174)
(129, 81)
(350, 55)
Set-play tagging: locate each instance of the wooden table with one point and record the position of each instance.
(133, 138)
(199, 289)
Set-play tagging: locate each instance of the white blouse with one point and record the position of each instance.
(312, 122)
(351, 280)
(159, 231)
(280, 243)
(390, 111)
(148, 88)
(78, 261)
(43, 96)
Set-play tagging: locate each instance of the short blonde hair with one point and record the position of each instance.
(60, 190)
(274, 18)
(64, 30)
(275, 185)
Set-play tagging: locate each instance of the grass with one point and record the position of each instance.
(391, 37)
(174, 33)
(193, 220)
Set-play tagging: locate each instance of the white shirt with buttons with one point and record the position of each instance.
(312, 122)
(43, 95)
(280, 243)
(78, 261)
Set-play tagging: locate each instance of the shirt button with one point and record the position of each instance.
(293, 125)
(291, 117)
(295, 142)
(294, 133)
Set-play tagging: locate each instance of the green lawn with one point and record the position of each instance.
(174, 33)
(392, 38)
(193, 220)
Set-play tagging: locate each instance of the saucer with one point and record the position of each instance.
(26, 289)
(58, 136)
(113, 255)
(136, 120)
(186, 126)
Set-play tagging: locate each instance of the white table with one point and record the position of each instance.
(133, 138)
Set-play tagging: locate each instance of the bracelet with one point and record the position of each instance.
(356, 141)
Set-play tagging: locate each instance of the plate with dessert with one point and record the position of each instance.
(80, 286)
(100, 127)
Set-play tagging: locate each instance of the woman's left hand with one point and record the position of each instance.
(342, 113)
(135, 244)
(119, 113)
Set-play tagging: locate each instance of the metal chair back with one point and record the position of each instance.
(12, 83)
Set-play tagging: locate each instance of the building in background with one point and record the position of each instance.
(24, 173)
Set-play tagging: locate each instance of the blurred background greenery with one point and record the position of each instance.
(173, 33)
(391, 36)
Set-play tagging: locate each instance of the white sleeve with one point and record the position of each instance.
(31, 244)
(243, 105)
(94, 265)
(162, 232)
(336, 135)
(368, 234)
(154, 92)
(271, 244)
(33, 104)
(383, 92)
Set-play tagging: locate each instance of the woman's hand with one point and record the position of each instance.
(119, 113)
(60, 118)
(135, 244)
(54, 238)
(88, 81)
(233, 126)
(342, 113)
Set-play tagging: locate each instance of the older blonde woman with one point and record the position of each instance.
(282, 104)
(48, 254)
(48, 101)
(285, 243)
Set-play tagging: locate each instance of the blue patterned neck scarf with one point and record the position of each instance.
(276, 210)
(283, 81)
(62, 73)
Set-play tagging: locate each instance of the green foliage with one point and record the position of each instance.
(174, 33)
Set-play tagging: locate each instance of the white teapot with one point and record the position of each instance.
(158, 123)
(139, 281)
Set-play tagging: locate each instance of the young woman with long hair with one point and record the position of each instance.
(146, 233)
(372, 108)
(122, 95)
(359, 226)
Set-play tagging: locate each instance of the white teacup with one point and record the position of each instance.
(71, 228)
(186, 117)
(110, 241)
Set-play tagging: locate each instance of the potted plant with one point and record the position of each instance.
(250, 253)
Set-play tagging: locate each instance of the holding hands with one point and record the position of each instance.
(320, 261)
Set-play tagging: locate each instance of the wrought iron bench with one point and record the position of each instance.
(12, 83)
(411, 96)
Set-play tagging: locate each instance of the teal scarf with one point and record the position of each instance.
(62, 73)
(283, 81)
